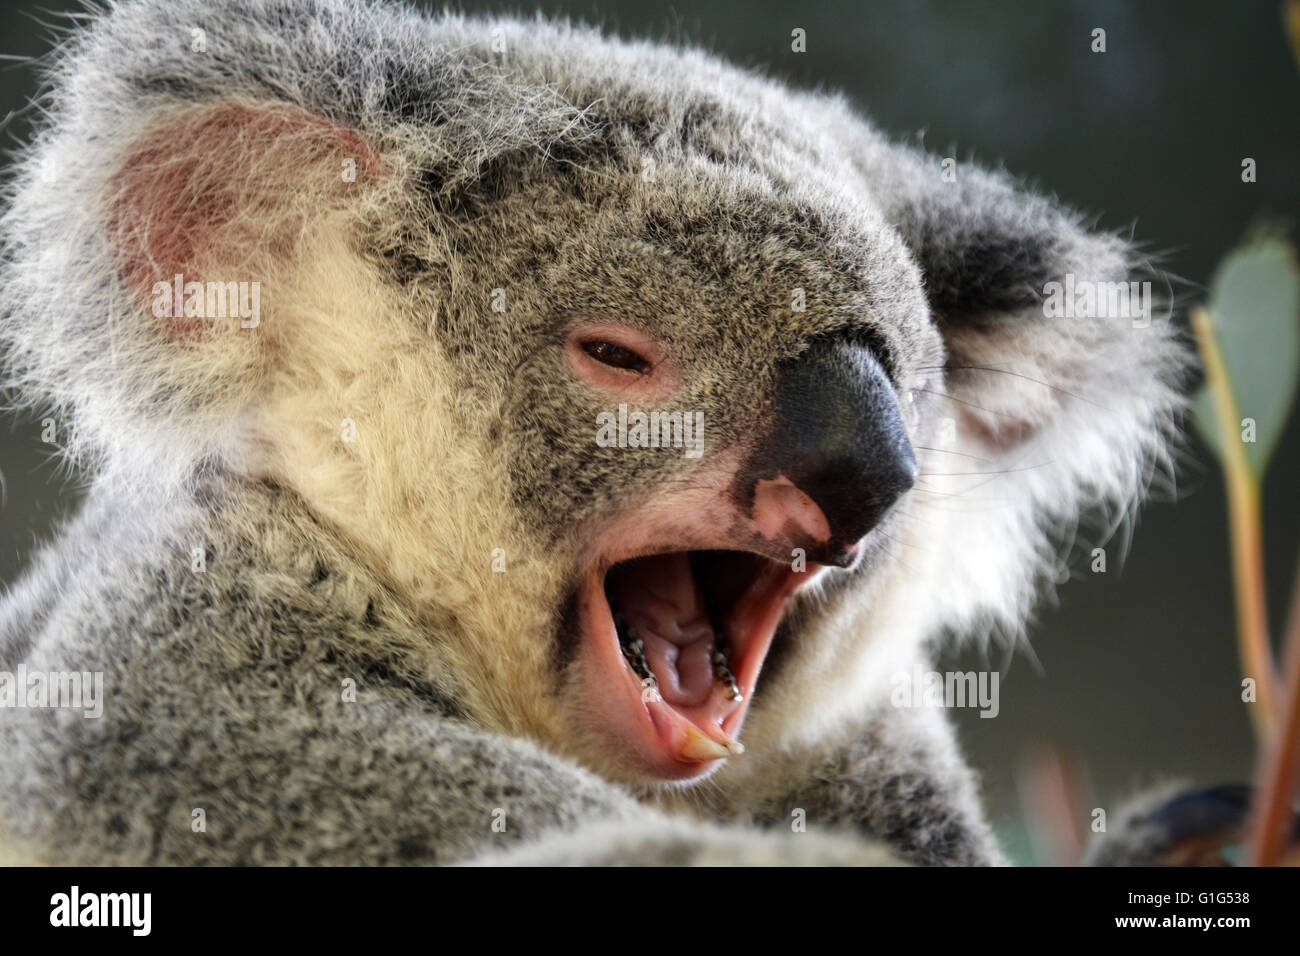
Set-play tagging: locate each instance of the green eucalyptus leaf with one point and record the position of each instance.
(1255, 313)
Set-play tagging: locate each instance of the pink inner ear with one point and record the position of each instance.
(216, 184)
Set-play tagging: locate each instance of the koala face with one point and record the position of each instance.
(781, 362)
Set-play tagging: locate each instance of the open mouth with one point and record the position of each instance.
(677, 642)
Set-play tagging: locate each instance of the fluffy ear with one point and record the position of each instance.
(222, 194)
(148, 268)
(1063, 376)
(1042, 318)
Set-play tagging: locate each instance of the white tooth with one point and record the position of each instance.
(735, 748)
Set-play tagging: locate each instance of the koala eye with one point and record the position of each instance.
(616, 356)
(620, 359)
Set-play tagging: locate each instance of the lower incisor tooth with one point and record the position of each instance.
(697, 746)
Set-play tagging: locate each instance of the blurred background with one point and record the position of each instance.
(1134, 673)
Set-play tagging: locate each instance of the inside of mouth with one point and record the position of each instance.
(674, 617)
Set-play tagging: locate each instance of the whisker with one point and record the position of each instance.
(905, 544)
(946, 451)
(991, 474)
(962, 401)
(1019, 375)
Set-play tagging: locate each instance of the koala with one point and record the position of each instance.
(510, 444)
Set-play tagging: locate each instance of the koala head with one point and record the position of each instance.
(658, 392)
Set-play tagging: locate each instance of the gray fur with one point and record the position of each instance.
(881, 777)
(527, 169)
(226, 695)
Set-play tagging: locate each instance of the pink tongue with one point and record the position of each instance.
(662, 602)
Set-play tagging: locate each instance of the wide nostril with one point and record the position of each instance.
(783, 508)
(837, 447)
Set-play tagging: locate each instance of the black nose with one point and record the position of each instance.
(837, 436)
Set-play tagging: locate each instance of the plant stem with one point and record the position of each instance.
(1247, 538)
(1279, 760)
